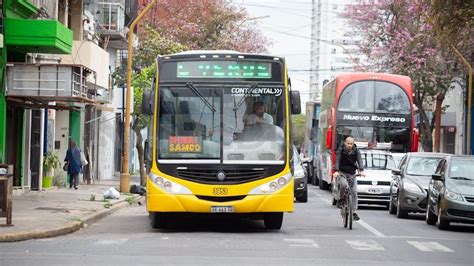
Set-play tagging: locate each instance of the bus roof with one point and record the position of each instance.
(344, 79)
(194, 54)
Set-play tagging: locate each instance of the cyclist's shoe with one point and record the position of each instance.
(355, 217)
(339, 204)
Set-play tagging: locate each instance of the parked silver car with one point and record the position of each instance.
(300, 175)
(451, 192)
(374, 188)
(409, 185)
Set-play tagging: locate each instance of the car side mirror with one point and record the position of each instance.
(396, 172)
(437, 177)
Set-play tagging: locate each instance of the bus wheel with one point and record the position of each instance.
(273, 220)
(158, 220)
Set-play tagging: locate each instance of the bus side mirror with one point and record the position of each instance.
(396, 172)
(415, 138)
(329, 138)
(295, 102)
(147, 102)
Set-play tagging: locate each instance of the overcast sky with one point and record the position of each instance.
(283, 22)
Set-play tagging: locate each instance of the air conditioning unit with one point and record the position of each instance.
(89, 25)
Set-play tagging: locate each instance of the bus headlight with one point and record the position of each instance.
(168, 185)
(271, 186)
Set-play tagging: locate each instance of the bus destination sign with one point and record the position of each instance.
(224, 69)
(185, 144)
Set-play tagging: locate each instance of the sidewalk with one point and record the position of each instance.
(60, 211)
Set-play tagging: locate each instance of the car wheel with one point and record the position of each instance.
(401, 213)
(391, 207)
(443, 224)
(273, 220)
(303, 197)
(430, 216)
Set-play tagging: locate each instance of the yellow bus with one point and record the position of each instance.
(220, 136)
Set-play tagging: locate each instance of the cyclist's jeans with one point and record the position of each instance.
(343, 184)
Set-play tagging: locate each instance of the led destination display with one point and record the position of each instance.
(224, 69)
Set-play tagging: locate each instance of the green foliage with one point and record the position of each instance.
(298, 128)
(50, 161)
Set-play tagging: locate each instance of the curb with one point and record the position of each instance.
(68, 227)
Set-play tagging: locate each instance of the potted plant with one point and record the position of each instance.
(50, 162)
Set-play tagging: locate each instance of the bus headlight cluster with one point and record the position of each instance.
(168, 185)
(272, 186)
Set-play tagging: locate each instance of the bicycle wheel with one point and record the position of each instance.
(350, 212)
(345, 215)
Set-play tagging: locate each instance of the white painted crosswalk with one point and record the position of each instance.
(364, 245)
(370, 245)
(429, 246)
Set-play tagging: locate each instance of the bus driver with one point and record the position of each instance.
(259, 116)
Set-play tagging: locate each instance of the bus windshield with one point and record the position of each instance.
(399, 138)
(241, 124)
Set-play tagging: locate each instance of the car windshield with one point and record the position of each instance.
(378, 161)
(233, 124)
(463, 168)
(422, 166)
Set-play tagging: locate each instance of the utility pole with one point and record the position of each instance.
(125, 176)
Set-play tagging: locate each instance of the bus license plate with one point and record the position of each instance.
(222, 209)
(375, 190)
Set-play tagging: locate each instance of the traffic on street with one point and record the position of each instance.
(312, 235)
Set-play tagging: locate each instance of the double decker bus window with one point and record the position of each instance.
(390, 98)
(358, 97)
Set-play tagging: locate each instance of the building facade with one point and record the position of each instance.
(57, 59)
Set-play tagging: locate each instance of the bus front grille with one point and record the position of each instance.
(232, 176)
(220, 199)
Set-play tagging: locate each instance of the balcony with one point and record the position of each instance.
(50, 83)
(39, 36)
(112, 24)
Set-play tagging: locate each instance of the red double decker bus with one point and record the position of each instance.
(374, 108)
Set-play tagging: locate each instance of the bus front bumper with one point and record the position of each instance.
(280, 202)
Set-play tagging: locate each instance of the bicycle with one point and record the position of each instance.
(347, 211)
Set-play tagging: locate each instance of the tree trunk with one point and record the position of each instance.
(437, 140)
(425, 130)
(141, 155)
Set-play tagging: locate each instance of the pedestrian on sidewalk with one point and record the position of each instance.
(73, 159)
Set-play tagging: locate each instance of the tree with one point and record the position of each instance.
(298, 125)
(397, 38)
(175, 26)
(207, 24)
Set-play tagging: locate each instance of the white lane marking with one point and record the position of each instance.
(429, 246)
(302, 242)
(374, 231)
(120, 241)
(364, 245)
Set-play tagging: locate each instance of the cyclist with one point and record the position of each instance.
(348, 160)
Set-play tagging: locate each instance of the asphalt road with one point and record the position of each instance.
(312, 235)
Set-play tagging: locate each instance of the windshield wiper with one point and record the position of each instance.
(460, 178)
(250, 90)
(196, 91)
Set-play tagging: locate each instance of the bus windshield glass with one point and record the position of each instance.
(374, 97)
(241, 124)
(399, 138)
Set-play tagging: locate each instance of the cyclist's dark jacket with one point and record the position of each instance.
(348, 161)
